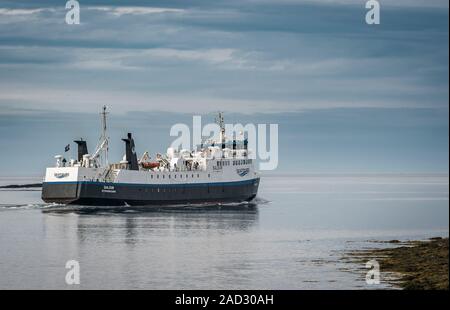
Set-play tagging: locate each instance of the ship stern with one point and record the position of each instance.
(60, 185)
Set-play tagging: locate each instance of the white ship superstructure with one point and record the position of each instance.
(217, 171)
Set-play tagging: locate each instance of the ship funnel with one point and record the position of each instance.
(130, 153)
(82, 149)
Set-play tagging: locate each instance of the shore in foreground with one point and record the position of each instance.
(420, 265)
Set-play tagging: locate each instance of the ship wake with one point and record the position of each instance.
(200, 207)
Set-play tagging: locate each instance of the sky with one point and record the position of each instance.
(348, 97)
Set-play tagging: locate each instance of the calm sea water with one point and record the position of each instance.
(293, 237)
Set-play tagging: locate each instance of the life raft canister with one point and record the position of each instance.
(150, 165)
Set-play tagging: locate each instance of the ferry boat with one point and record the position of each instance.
(215, 172)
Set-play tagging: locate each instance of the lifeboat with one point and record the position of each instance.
(150, 165)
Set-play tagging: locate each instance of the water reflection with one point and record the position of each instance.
(183, 209)
(133, 225)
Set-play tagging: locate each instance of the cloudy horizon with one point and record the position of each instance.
(353, 97)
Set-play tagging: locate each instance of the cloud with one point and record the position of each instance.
(13, 12)
(260, 56)
(141, 59)
(112, 58)
(134, 10)
(13, 100)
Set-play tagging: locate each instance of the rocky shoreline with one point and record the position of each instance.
(15, 186)
(418, 265)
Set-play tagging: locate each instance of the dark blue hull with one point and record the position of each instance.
(112, 194)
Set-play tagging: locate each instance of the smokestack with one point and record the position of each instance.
(130, 153)
(82, 149)
(234, 148)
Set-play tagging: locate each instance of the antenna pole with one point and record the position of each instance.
(104, 121)
(104, 138)
(220, 122)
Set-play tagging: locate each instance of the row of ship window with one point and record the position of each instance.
(181, 176)
(242, 162)
(235, 162)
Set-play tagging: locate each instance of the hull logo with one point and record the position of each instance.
(61, 175)
(243, 171)
(108, 189)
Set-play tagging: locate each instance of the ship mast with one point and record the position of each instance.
(101, 151)
(104, 136)
(221, 123)
(103, 114)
